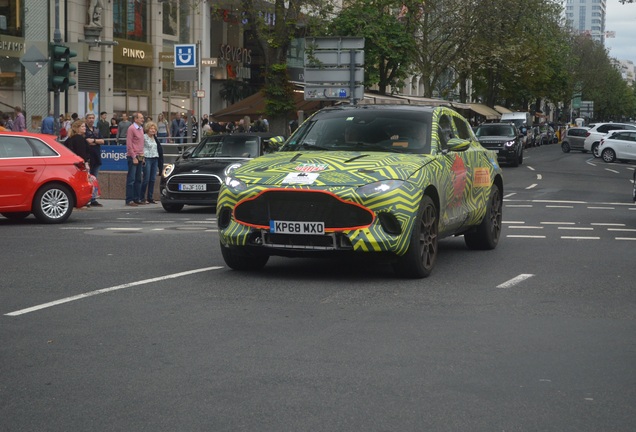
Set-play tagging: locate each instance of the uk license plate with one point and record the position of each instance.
(192, 187)
(292, 227)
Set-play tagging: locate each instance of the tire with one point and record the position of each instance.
(565, 147)
(594, 150)
(486, 235)
(420, 258)
(172, 208)
(608, 155)
(53, 203)
(520, 159)
(16, 215)
(243, 261)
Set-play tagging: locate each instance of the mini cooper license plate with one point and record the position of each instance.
(291, 227)
(191, 187)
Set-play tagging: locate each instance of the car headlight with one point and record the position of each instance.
(509, 144)
(382, 186)
(234, 184)
(231, 168)
(167, 170)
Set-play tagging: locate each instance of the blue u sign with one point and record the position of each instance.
(185, 56)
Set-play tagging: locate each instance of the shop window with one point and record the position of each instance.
(130, 19)
(11, 18)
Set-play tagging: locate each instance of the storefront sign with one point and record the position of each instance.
(133, 53)
(11, 46)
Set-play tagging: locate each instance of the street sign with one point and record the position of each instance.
(210, 62)
(200, 93)
(324, 92)
(185, 56)
(333, 75)
(166, 57)
(33, 60)
(327, 58)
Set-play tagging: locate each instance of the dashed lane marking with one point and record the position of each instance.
(515, 280)
(107, 290)
(579, 238)
(532, 186)
(526, 236)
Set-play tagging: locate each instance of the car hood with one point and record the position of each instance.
(329, 168)
(204, 166)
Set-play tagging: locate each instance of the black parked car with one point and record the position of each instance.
(196, 177)
(503, 138)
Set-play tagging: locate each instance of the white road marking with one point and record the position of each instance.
(611, 170)
(556, 206)
(579, 238)
(601, 208)
(518, 205)
(510, 194)
(514, 281)
(106, 290)
(526, 227)
(576, 228)
(557, 223)
(525, 236)
(625, 238)
(76, 228)
(607, 224)
(124, 229)
(622, 229)
(514, 222)
(530, 168)
(532, 186)
(539, 177)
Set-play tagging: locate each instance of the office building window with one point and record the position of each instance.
(11, 18)
(130, 19)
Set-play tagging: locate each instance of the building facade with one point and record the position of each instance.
(125, 56)
(587, 17)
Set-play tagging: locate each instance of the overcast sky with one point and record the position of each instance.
(622, 20)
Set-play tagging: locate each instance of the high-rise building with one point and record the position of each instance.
(587, 17)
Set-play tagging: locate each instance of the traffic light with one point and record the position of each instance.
(60, 67)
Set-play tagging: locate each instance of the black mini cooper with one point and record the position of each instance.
(196, 177)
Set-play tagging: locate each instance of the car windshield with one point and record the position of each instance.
(364, 130)
(227, 146)
(495, 130)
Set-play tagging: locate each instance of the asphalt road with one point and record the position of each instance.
(126, 319)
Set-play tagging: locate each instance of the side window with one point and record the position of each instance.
(15, 147)
(623, 136)
(41, 149)
(604, 129)
(462, 128)
(444, 131)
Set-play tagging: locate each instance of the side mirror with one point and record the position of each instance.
(458, 145)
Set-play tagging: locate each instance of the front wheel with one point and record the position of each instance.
(420, 258)
(608, 155)
(595, 150)
(486, 235)
(53, 204)
(243, 261)
(172, 208)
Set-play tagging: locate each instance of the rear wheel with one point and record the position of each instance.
(565, 147)
(53, 203)
(486, 235)
(608, 155)
(172, 208)
(520, 160)
(595, 150)
(16, 215)
(420, 258)
(237, 260)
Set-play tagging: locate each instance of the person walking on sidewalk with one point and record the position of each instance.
(135, 158)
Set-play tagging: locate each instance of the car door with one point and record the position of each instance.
(630, 146)
(20, 170)
(576, 138)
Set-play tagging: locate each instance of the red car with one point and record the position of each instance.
(41, 176)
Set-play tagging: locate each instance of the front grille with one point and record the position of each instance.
(492, 143)
(333, 241)
(212, 182)
(302, 206)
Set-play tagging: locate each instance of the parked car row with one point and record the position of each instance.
(608, 141)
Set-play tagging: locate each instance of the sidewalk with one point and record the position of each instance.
(120, 204)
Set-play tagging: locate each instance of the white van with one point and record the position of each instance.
(518, 119)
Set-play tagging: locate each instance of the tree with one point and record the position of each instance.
(388, 39)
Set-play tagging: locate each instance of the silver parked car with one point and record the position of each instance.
(574, 139)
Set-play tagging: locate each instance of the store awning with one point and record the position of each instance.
(502, 110)
(484, 110)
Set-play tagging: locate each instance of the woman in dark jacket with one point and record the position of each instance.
(77, 140)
